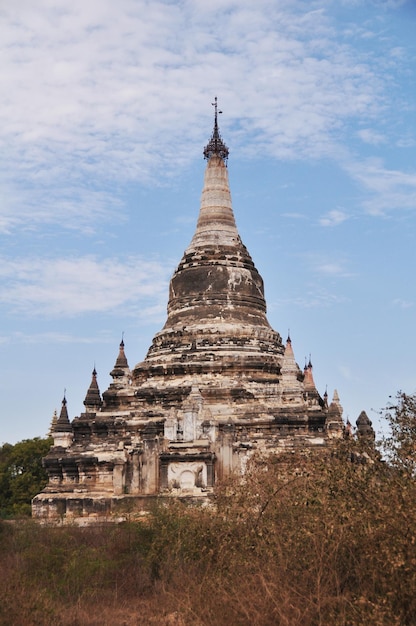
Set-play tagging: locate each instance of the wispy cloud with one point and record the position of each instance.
(295, 216)
(102, 92)
(57, 338)
(28, 208)
(389, 189)
(403, 304)
(333, 218)
(371, 136)
(406, 142)
(317, 297)
(73, 286)
(325, 265)
(331, 269)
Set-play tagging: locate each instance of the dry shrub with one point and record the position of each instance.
(303, 541)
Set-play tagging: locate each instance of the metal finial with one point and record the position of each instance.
(216, 146)
(215, 104)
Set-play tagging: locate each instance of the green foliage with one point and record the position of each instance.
(21, 475)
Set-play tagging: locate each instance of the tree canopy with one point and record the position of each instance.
(400, 445)
(21, 475)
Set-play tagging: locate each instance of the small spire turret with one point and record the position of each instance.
(63, 424)
(334, 423)
(309, 382)
(365, 426)
(311, 393)
(62, 432)
(348, 429)
(336, 400)
(121, 359)
(216, 146)
(121, 367)
(292, 388)
(93, 400)
(54, 421)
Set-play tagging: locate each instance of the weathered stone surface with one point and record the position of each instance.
(216, 385)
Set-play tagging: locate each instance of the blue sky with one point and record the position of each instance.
(105, 108)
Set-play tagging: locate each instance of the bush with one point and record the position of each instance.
(303, 541)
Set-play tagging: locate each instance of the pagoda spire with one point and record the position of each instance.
(121, 359)
(326, 398)
(93, 400)
(216, 277)
(216, 146)
(216, 222)
(121, 367)
(334, 423)
(311, 392)
(63, 424)
(62, 433)
(309, 382)
(54, 421)
(336, 400)
(216, 292)
(291, 376)
(365, 426)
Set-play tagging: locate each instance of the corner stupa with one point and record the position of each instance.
(216, 386)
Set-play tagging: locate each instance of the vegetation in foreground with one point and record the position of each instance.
(21, 475)
(303, 541)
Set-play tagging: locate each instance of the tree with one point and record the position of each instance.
(400, 445)
(21, 475)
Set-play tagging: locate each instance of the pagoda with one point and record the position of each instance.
(216, 387)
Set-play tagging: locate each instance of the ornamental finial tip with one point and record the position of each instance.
(216, 146)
